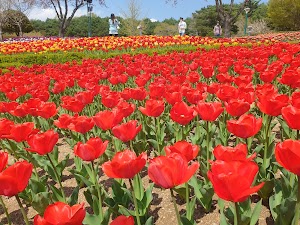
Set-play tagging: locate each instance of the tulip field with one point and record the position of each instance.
(207, 127)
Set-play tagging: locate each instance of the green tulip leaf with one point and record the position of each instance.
(57, 195)
(92, 219)
(74, 196)
(138, 187)
(185, 221)
(149, 221)
(40, 201)
(256, 213)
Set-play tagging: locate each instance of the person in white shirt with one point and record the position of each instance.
(181, 27)
(140, 29)
(113, 25)
(218, 30)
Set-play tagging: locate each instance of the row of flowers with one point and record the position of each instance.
(121, 43)
(199, 123)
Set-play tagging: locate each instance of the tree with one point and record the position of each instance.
(149, 26)
(131, 18)
(205, 19)
(4, 5)
(78, 26)
(165, 29)
(227, 14)
(65, 11)
(284, 14)
(16, 22)
(23, 6)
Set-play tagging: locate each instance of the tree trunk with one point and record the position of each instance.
(62, 29)
(20, 30)
(227, 27)
(1, 37)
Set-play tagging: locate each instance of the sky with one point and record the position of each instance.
(152, 9)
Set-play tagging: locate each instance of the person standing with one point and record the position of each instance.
(113, 25)
(140, 29)
(218, 30)
(181, 26)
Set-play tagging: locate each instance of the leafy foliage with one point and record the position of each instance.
(16, 22)
(205, 19)
(284, 14)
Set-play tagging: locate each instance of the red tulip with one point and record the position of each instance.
(291, 115)
(237, 153)
(246, 126)
(124, 164)
(72, 104)
(188, 150)
(126, 131)
(81, 124)
(7, 106)
(3, 160)
(20, 132)
(91, 150)
(170, 171)
(47, 110)
(193, 77)
(58, 87)
(86, 97)
(138, 94)
(157, 91)
(268, 76)
(272, 104)
(232, 180)
(237, 107)
(63, 121)
(60, 213)
(42, 143)
(14, 179)
(110, 99)
(182, 113)
(123, 220)
(194, 96)
(106, 119)
(287, 155)
(20, 110)
(125, 108)
(209, 111)
(173, 97)
(153, 108)
(208, 71)
(227, 92)
(295, 99)
(5, 127)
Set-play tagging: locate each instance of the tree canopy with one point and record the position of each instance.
(284, 14)
(16, 22)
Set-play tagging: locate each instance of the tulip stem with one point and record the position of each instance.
(13, 152)
(207, 145)
(187, 196)
(131, 145)
(22, 210)
(57, 178)
(5, 210)
(237, 214)
(296, 218)
(157, 125)
(175, 207)
(98, 190)
(298, 135)
(34, 166)
(135, 204)
(267, 131)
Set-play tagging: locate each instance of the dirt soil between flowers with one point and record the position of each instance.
(161, 207)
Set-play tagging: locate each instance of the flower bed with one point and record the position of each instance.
(200, 124)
